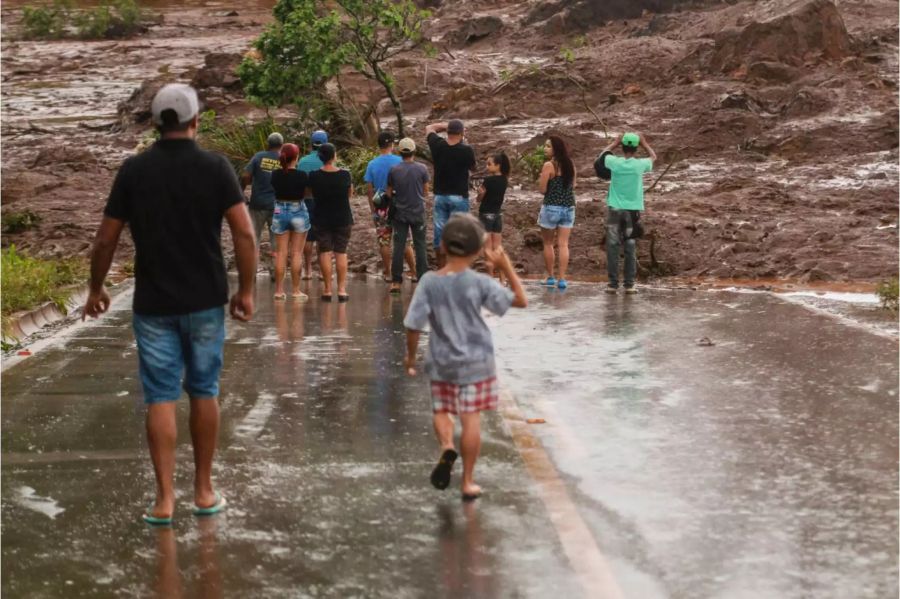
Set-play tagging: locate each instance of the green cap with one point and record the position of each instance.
(631, 139)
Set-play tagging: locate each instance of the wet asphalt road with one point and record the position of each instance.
(763, 466)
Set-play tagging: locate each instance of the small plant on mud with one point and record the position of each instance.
(356, 160)
(887, 292)
(109, 19)
(532, 161)
(29, 282)
(567, 54)
(16, 222)
(46, 22)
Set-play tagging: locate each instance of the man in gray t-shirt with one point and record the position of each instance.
(407, 185)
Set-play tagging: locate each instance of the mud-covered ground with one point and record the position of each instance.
(777, 122)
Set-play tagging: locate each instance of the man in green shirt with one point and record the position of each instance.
(625, 202)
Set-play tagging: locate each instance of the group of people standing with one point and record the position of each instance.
(175, 196)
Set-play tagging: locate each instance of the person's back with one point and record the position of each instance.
(408, 180)
(378, 169)
(309, 163)
(261, 167)
(174, 197)
(626, 186)
(452, 163)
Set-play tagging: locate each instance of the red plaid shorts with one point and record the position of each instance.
(465, 399)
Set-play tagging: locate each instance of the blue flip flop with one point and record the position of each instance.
(549, 282)
(562, 284)
(155, 521)
(215, 508)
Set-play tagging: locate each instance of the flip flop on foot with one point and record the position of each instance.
(395, 289)
(472, 493)
(300, 296)
(342, 298)
(440, 476)
(280, 296)
(549, 282)
(326, 298)
(215, 508)
(152, 520)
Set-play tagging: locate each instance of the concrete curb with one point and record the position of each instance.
(24, 324)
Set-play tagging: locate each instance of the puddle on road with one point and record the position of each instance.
(28, 498)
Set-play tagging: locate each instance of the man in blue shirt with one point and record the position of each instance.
(309, 163)
(376, 179)
(258, 174)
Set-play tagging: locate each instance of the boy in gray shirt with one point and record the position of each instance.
(460, 358)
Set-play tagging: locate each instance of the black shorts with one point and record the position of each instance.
(333, 240)
(493, 223)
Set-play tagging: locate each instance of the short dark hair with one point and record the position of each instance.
(629, 149)
(385, 139)
(326, 152)
(170, 122)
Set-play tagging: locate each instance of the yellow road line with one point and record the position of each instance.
(585, 557)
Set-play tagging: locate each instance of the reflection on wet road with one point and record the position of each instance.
(762, 466)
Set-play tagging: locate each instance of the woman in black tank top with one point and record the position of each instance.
(557, 217)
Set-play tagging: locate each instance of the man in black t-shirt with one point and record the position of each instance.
(174, 197)
(453, 159)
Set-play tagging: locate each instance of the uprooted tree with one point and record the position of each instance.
(311, 41)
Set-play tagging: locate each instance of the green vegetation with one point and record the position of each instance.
(887, 292)
(532, 162)
(237, 141)
(16, 222)
(311, 41)
(109, 19)
(356, 160)
(30, 282)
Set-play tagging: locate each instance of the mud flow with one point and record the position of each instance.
(776, 122)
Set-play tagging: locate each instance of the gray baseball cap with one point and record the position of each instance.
(463, 235)
(178, 97)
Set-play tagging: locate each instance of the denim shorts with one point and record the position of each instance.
(290, 216)
(188, 345)
(493, 223)
(444, 206)
(552, 217)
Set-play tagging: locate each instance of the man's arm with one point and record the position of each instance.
(412, 345)
(647, 147)
(245, 256)
(246, 178)
(105, 244)
(615, 143)
(436, 128)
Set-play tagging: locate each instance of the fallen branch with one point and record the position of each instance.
(663, 174)
(587, 106)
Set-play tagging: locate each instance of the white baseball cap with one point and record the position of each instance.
(178, 97)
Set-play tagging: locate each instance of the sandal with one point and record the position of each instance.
(300, 296)
(549, 282)
(215, 508)
(326, 298)
(280, 296)
(152, 520)
(440, 476)
(343, 298)
(395, 289)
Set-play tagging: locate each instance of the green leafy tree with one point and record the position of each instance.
(311, 41)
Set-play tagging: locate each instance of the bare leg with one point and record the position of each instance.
(204, 434)
(488, 265)
(470, 446)
(564, 250)
(298, 240)
(341, 262)
(385, 251)
(325, 268)
(548, 236)
(443, 429)
(410, 260)
(161, 439)
(307, 258)
(281, 256)
(496, 241)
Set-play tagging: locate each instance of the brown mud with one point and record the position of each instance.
(778, 122)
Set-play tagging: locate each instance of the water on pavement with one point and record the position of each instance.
(764, 465)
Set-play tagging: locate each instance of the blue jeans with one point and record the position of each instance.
(401, 230)
(171, 346)
(552, 217)
(290, 216)
(614, 236)
(444, 206)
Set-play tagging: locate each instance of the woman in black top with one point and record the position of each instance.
(333, 218)
(290, 220)
(490, 198)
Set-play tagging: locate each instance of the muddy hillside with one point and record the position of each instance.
(776, 122)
